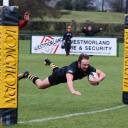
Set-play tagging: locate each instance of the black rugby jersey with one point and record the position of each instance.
(59, 75)
(90, 33)
(67, 36)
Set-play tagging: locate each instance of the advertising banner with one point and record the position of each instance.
(88, 45)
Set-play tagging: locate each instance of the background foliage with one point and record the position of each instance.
(58, 28)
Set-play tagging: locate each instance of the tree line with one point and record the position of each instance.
(40, 8)
(81, 5)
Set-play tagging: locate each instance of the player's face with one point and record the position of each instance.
(68, 30)
(89, 28)
(84, 64)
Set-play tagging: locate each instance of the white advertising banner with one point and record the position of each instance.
(88, 45)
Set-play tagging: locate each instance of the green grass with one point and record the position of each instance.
(58, 101)
(97, 17)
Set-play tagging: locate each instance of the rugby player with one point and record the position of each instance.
(76, 70)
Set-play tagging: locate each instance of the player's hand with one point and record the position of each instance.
(84, 27)
(100, 29)
(94, 81)
(76, 93)
(26, 16)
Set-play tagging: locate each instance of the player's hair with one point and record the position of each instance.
(90, 26)
(83, 56)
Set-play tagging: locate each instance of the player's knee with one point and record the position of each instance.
(42, 84)
(39, 86)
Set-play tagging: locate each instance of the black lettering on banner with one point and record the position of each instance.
(107, 42)
(126, 62)
(10, 38)
(126, 78)
(13, 59)
(126, 38)
(101, 48)
(10, 79)
(126, 84)
(100, 42)
(73, 47)
(98, 48)
(9, 31)
(47, 44)
(106, 48)
(93, 48)
(93, 41)
(126, 55)
(126, 71)
(10, 51)
(126, 49)
(11, 100)
(110, 48)
(86, 42)
(11, 70)
(12, 91)
(78, 41)
(80, 47)
(89, 47)
(86, 47)
(81, 41)
(11, 67)
(90, 42)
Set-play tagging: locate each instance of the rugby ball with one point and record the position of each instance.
(91, 75)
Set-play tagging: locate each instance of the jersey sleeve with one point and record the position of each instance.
(96, 31)
(70, 71)
(64, 36)
(84, 30)
(92, 69)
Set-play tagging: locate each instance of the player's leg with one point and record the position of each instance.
(53, 66)
(69, 46)
(66, 49)
(40, 84)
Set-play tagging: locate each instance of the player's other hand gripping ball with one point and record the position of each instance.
(93, 78)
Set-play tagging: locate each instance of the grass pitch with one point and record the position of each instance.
(58, 101)
(83, 16)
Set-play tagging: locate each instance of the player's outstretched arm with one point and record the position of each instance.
(26, 18)
(70, 84)
(98, 80)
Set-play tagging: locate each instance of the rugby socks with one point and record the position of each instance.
(32, 78)
(53, 66)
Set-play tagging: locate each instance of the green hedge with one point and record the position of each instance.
(58, 28)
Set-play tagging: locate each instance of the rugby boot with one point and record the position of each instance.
(23, 75)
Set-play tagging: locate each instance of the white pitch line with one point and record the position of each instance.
(75, 114)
